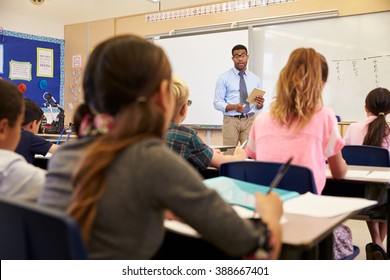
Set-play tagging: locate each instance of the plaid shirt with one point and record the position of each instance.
(188, 145)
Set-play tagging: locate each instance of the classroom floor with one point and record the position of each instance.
(360, 236)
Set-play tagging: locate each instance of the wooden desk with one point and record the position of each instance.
(303, 238)
(378, 182)
(306, 237)
(54, 137)
(343, 127)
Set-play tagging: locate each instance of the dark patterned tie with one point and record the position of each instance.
(243, 93)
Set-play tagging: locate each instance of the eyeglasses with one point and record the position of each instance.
(189, 102)
(243, 55)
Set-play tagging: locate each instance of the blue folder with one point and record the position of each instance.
(241, 193)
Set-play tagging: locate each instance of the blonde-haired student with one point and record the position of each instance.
(298, 125)
(374, 131)
(18, 178)
(185, 141)
(128, 178)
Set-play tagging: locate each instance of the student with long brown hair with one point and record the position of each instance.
(128, 178)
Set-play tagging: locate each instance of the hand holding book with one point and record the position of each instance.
(252, 97)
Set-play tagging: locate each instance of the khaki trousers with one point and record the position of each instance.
(236, 130)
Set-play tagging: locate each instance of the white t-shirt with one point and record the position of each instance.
(18, 178)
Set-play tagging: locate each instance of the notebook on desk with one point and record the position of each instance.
(241, 193)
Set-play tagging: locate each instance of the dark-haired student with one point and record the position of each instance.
(31, 144)
(374, 131)
(18, 178)
(127, 178)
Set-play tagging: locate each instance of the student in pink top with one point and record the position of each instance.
(298, 125)
(374, 131)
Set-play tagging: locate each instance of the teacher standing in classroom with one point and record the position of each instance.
(231, 91)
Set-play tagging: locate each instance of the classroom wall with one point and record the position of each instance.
(83, 37)
(50, 18)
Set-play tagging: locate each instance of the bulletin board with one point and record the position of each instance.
(35, 64)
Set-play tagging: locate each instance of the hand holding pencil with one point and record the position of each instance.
(270, 209)
(239, 153)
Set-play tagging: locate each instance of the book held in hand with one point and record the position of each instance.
(255, 92)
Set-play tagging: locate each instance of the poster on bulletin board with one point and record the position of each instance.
(35, 64)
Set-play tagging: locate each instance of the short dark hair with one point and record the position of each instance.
(11, 105)
(239, 47)
(32, 112)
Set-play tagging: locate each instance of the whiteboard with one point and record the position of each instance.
(357, 49)
(199, 60)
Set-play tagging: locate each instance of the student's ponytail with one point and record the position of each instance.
(378, 104)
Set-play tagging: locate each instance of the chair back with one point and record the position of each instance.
(29, 231)
(297, 178)
(366, 155)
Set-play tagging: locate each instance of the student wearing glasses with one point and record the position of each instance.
(231, 90)
(186, 142)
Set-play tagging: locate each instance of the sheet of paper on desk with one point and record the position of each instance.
(249, 214)
(351, 173)
(185, 229)
(379, 175)
(48, 155)
(324, 206)
(357, 174)
(181, 228)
